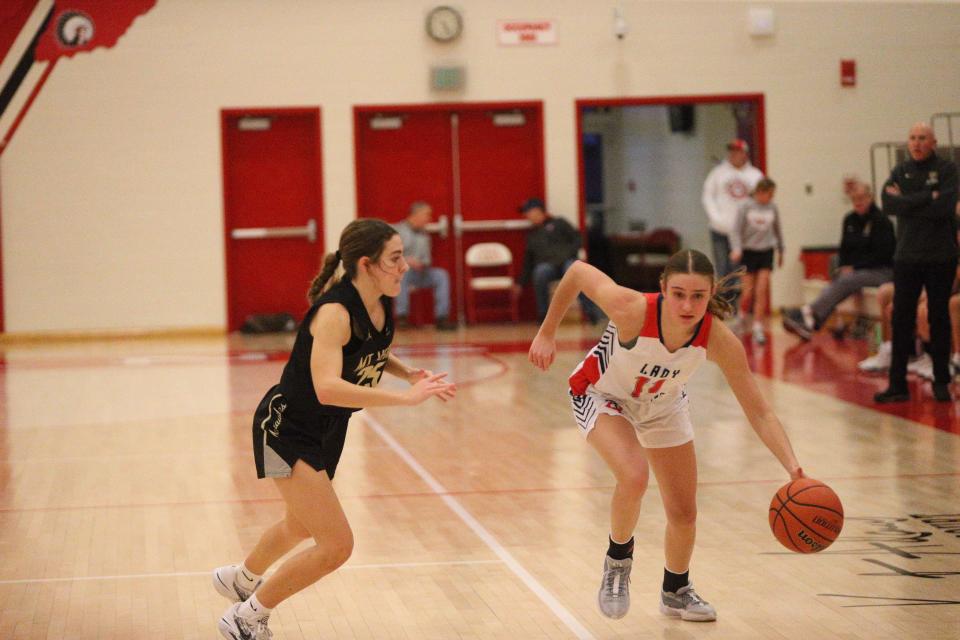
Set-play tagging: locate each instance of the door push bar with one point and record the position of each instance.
(460, 225)
(441, 226)
(263, 233)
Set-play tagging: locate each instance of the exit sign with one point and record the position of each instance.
(446, 78)
(513, 32)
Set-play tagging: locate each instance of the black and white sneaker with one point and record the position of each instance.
(225, 582)
(235, 627)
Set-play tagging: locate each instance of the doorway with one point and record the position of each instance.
(643, 161)
(273, 210)
(473, 163)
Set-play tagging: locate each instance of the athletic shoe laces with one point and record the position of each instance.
(688, 595)
(617, 580)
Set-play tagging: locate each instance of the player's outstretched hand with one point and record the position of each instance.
(429, 386)
(542, 352)
(797, 473)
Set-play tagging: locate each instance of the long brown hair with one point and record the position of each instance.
(692, 261)
(361, 238)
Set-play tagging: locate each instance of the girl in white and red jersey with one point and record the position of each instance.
(630, 403)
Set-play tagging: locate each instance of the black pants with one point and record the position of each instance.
(908, 280)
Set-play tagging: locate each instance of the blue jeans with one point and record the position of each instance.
(430, 277)
(545, 273)
(722, 264)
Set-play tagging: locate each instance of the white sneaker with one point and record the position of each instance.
(759, 337)
(922, 367)
(225, 582)
(880, 361)
(235, 627)
(955, 365)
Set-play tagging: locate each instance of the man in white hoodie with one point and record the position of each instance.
(727, 188)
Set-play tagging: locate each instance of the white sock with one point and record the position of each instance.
(757, 326)
(246, 579)
(252, 609)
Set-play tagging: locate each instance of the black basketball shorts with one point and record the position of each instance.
(278, 443)
(756, 260)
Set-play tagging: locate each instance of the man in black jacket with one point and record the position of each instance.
(866, 260)
(922, 193)
(552, 246)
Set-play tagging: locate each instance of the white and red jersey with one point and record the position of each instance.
(644, 375)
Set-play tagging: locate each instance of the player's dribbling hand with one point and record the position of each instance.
(431, 386)
(797, 473)
(542, 352)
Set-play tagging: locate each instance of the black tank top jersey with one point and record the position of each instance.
(364, 357)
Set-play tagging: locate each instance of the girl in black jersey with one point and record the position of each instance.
(340, 352)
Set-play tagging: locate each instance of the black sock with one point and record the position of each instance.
(619, 551)
(674, 581)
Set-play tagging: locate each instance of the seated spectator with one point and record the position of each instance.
(417, 252)
(552, 246)
(866, 260)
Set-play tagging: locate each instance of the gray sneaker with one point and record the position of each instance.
(687, 605)
(234, 627)
(225, 582)
(614, 594)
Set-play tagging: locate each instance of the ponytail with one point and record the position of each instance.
(724, 291)
(319, 284)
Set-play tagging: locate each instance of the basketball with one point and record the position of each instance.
(806, 515)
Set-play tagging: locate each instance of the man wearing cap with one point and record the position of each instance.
(728, 187)
(552, 246)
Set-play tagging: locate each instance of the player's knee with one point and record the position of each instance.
(682, 515)
(336, 548)
(634, 480)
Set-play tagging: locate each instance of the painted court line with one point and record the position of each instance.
(191, 574)
(545, 596)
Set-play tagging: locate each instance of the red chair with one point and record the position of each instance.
(489, 269)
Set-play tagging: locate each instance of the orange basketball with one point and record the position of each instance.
(806, 515)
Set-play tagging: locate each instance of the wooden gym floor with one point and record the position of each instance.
(126, 475)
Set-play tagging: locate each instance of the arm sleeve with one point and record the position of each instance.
(527, 271)
(709, 199)
(571, 237)
(883, 242)
(736, 234)
(777, 230)
(844, 253)
(921, 204)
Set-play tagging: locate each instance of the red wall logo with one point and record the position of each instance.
(74, 29)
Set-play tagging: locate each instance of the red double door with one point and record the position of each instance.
(473, 163)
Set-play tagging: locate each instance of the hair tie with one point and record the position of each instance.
(337, 255)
